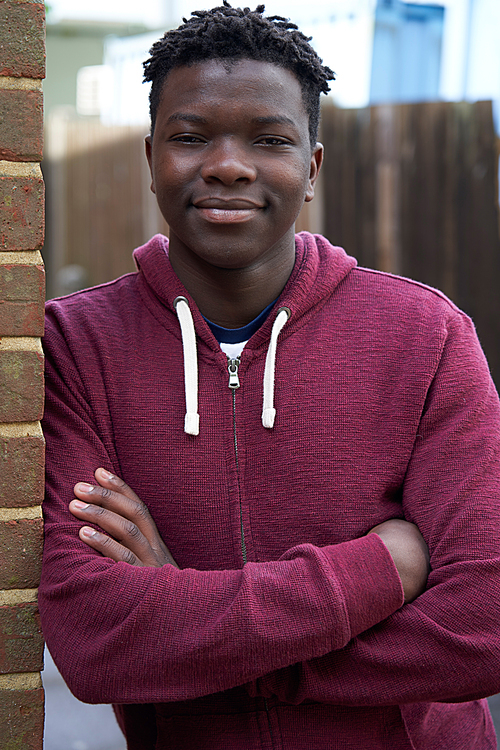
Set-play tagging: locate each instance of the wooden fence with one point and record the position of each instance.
(411, 189)
(99, 205)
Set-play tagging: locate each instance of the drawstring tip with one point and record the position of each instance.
(268, 416)
(192, 424)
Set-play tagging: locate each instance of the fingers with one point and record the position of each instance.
(107, 546)
(134, 547)
(112, 494)
(111, 505)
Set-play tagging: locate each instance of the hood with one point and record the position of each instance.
(319, 269)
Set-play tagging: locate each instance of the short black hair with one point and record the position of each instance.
(226, 33)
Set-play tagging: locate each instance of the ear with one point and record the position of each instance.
(149, 156)
(315, 166)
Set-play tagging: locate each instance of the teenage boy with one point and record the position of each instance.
(270, 404)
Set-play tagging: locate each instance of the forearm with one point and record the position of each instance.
(173, 635)
(427, 651)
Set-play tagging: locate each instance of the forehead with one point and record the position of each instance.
(215, 84)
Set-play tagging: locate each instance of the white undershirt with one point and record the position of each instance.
(233, 350)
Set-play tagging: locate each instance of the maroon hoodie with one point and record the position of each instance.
(284, 627)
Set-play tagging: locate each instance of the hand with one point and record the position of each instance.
(409, 552)
(116, 509)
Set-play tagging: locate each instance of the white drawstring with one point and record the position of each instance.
(268, 410)
(192, 418)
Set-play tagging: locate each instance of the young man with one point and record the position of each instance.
(270, 404)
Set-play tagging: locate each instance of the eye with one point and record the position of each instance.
(187, 138)
(273, 140)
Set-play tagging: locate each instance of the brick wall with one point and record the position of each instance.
(22, 66)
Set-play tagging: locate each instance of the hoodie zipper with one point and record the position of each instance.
(234, 384)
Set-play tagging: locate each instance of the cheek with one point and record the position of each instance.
(170, 174)
(291, 175)
(290, 185)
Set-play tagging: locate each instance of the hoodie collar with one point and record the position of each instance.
(319, 269)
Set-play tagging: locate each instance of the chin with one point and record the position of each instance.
(230, 263)
(234, 258)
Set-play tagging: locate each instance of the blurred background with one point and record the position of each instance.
(410, 181)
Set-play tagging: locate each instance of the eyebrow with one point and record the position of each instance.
(186, 118)
(274, 120)
(197, 119)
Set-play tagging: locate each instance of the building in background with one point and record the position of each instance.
(381, 51)
(72, 45)
(406, 60)
(127, 101)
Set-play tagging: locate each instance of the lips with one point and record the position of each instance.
(227, 211)
(227, 204)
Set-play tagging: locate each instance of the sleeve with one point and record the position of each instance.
(126, 634)
(445, 646)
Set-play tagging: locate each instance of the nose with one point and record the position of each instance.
(227, 161)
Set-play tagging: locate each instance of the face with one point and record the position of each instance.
(231, 162)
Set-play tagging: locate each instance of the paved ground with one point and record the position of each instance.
(71, 725)
(494, 702)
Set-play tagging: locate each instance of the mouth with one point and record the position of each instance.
(229, 211)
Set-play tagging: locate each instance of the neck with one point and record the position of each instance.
(233, 297)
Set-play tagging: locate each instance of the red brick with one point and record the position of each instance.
(21, 124)
(21, 471)
(21, 213)
(21, 386)
(21, 642)
(22, 39)
(22, 294)
(21, 544)
(21, 719)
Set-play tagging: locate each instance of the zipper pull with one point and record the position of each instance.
(232, 366)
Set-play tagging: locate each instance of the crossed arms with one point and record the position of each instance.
(132, 536)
